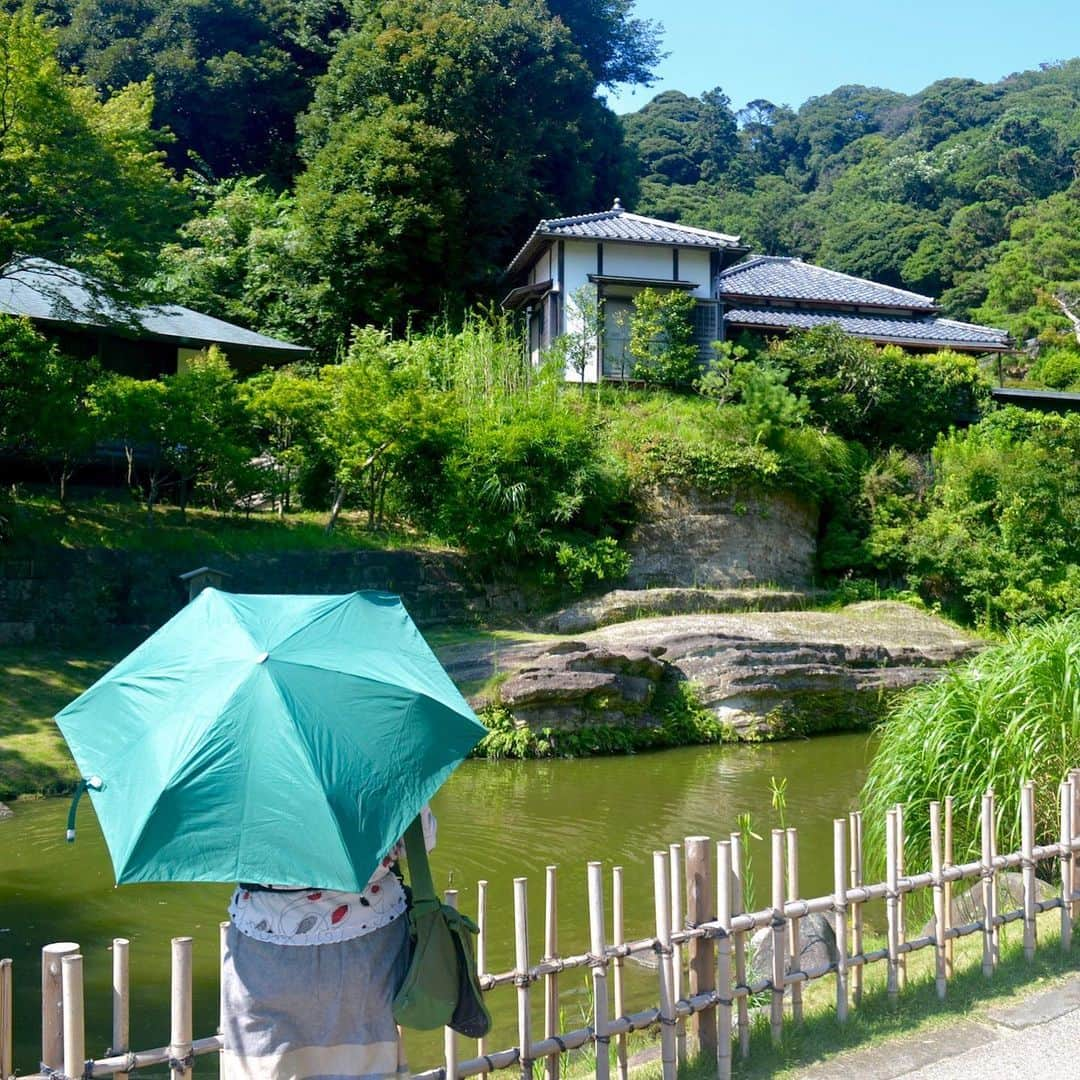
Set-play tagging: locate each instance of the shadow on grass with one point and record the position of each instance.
(821, 1036)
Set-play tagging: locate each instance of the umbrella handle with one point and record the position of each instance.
(94, 783)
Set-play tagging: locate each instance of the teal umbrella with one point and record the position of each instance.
(287, 740)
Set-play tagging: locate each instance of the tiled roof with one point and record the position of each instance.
(620, 224)
(39, 289)
(772, 277)
(945, 333)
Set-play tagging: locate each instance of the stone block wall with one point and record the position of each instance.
(62, 594)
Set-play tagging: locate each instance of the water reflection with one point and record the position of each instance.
(497, 820)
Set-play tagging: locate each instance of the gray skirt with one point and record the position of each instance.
(299, 1012)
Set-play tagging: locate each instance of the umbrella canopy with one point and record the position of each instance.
(287, 740)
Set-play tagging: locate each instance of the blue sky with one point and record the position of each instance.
(789, 50)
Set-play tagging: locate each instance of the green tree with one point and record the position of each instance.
(381, 412)
(443, 130)
(134, 413)
(662, 337)
(81, 179)
(283, 406)
(231, 76)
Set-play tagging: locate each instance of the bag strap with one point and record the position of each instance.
(423, 888)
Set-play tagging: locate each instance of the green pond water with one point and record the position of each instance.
(497, 821)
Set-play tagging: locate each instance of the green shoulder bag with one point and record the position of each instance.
(441, 988)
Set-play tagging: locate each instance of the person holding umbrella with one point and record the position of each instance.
(287, 740)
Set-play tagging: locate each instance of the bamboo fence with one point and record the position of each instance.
(700, 940)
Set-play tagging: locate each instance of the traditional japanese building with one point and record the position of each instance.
(619, 254)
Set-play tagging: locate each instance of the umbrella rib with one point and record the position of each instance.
(385, 682)
(312, 771)
(307, 626)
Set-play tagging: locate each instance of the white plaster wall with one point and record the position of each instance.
(579, 261)
(620, 260)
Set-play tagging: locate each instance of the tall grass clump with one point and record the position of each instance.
(1008, 715)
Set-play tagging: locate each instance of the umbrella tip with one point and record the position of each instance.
(262, 658)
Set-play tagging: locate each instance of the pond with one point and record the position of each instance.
(497, 821)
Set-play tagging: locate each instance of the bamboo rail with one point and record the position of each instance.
(713, 937)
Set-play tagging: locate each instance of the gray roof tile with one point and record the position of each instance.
(780, 278)
(39, 289)
(945, 333)
(620, 224)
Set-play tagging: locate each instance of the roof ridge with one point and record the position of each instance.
(679, 225)
(578, 219)
(755, 260)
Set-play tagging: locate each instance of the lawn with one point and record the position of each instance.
(103, 520)
(35, 683)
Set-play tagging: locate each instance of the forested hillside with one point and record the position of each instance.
(306, 166)
(966, 190)
(302, 167)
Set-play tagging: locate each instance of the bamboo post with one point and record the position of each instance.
(891, 896)
(675, 852)
(855, 831)
(662, 905)
(52, 1003)
(552, 1062)
(791, 838)
(71, 980)
(901, 899)
(840, 873)
(7, 1005)
(223, 947)
(986, 822)
(995, 903)
(521, 963)
(598, 962)
(180, 1057)
(481, 945)
(618, 938)
(776, 1004)
(1027, 865)
(738, 899)
(947, 861)
(450, 1042)
(699, 910)
(1074, 779)
(121, 1000)
(723, 960)
(936, 869)
(1066, 863)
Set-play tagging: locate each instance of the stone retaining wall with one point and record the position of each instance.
(64, 594)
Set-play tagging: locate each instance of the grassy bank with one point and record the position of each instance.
(35, 683)
(92, 520)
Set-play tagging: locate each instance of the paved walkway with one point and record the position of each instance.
(1038, 1036)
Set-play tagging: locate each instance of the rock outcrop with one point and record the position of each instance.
(574, 684)
(686, 538)
(764, 674)
(621, 605)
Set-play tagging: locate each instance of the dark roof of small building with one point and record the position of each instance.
(620, 224)
(925, 331)
(45, 291)
(1047, 400)
(773, 277)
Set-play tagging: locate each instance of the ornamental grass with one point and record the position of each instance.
(1008, 715)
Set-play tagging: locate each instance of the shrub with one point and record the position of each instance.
(999, 535)
(591, 562)
(1058, 368)
(882, 397)
(1008, 715)
(662, 338)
